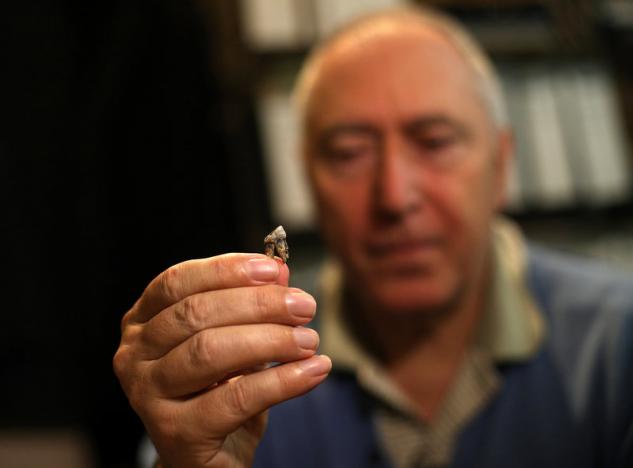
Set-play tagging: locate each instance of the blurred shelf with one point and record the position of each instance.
(527, 28)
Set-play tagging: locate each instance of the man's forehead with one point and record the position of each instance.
(410, 67)
(386, 35)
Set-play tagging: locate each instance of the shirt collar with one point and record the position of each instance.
(512, 327)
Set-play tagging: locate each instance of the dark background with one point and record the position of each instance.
(120, 145)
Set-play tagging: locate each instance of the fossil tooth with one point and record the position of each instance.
(275, 244)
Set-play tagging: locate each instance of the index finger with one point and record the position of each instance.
(231, 270)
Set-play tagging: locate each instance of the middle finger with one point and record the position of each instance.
(226, 307)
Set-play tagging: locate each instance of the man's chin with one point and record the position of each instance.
(404, 299)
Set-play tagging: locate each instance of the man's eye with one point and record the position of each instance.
(349, 160)
(436, 143)
(438, 148)
(348, 153)
(348, 147)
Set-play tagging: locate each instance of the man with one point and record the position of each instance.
(451, 344)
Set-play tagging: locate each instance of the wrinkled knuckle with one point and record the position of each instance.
(220, 268)
(169, 282)
(188, 313)
(238, 398)
(264, 301)
(120, 362)
(132, 334)
(284, 379)
(201, 350)
(125, 320)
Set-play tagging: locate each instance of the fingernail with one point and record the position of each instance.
(262, 269)
(306, 338)
(300, 304)
(316, 366)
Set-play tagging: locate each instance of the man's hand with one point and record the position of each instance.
(194, 352)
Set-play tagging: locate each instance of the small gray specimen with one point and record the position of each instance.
(275, 244)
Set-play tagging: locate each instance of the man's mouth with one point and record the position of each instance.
(402, 248)
(404, 255)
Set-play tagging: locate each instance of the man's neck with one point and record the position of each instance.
(422, 353)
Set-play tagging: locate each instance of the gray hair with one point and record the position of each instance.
(455, 33)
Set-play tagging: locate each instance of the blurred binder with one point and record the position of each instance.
(606, 177)
(270, 25)
(290, 198)
(331, 14)
(571, 149)
(514, 104)
(553, 177)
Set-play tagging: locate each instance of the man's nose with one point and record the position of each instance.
(396, 189)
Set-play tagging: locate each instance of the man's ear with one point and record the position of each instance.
(503, 157)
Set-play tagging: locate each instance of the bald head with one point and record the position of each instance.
(429, 25)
